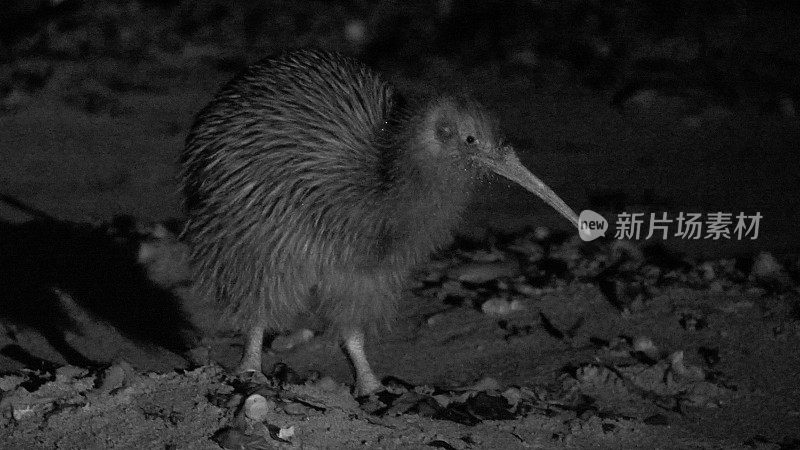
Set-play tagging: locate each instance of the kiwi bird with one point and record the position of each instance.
(312, 189)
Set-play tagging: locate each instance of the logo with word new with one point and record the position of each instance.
(591, 225)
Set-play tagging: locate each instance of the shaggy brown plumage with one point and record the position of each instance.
(312, 190)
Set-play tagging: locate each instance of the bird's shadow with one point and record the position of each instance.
(44, 260)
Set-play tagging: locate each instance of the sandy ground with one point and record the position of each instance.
(566, 366)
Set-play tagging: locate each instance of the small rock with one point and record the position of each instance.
(21, 411)
(285, 343)
(707, 271)
(116, 376)
(256, 407)
(541, 233)
(766, 266)
(434, 319)
(10, 382)
(442, 400)
(770, 273)
(645, 345)
(67, 373)
(483, 272)
(286, 433)
(526, 289)
(517, 305)
(485, 384)
(512, 395)
(501, 307)
(295, 409)
(678, 365)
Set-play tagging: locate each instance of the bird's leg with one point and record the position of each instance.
(366, 382)
(251, 359)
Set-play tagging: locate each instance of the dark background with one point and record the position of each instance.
(635, 106)
(625, 105)
(620, 106)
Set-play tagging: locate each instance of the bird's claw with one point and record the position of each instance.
(251, 376)
(366, 386)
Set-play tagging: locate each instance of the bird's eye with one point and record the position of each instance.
(470, 139)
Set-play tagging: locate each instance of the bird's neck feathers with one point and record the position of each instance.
(425, 194)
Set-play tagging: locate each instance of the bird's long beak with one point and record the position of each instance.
(510, 167)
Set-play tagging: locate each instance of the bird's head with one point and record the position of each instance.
(459, 133)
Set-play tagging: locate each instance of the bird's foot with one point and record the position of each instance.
(249, 369)
(251, 375)
(366, 381)
(367, 384)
